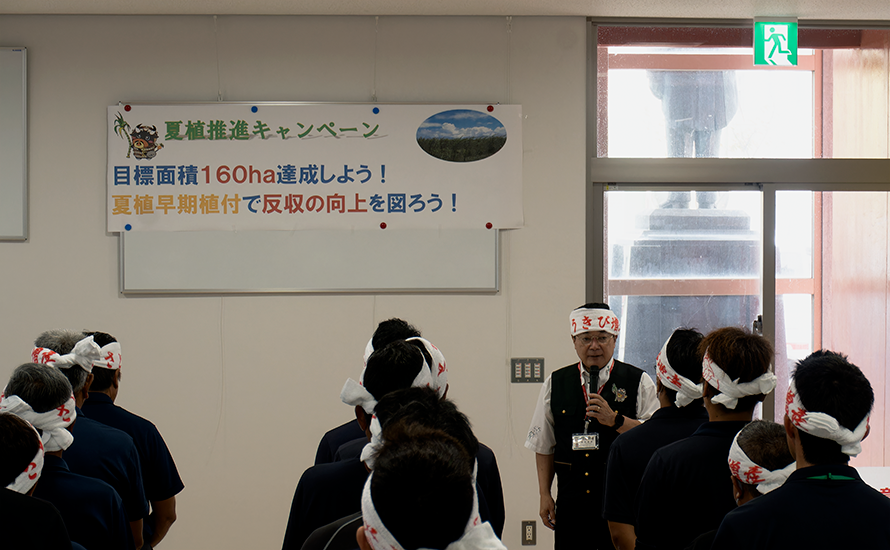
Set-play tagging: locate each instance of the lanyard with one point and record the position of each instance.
(599, 391)
(584, 386)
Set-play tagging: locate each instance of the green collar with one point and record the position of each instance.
(833, 477)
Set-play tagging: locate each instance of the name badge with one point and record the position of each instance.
(585, 442)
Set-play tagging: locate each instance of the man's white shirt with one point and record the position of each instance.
(541, 438)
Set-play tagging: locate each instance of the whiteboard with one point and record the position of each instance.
(311, 261)
(13, 144)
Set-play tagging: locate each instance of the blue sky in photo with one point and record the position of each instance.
(460, 123)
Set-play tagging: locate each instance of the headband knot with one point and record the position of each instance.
(823, 425)
(85, 353)
(53, 423)
(433, 376)
(733, 390)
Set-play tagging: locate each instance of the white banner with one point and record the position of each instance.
(226, 166)
(876, 476)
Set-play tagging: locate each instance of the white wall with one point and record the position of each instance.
(242, 388)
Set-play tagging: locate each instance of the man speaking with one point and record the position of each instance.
(581, 410)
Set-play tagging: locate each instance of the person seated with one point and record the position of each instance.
(421, 494)
(824, 503)
(30, 523)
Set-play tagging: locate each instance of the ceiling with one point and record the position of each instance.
(850, 10)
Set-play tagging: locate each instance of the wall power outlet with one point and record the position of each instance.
(528, 533)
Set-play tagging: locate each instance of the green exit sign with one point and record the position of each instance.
(775, 42)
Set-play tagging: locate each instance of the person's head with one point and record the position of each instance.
(391, 330)
(63, 342)
(42, 395)
(424, 406)
(594, 329)
(759, 460)
(42, 387)
(392, 367)
(828, 385)
(19, 443)
(735, 367)
(104, 379)
(684, 359)
(420, 492)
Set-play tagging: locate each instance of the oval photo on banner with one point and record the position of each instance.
(461, 135)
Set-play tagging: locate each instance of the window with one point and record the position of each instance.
(766, 194)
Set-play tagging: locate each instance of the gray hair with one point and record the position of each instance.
(42, 387)
(62, 341)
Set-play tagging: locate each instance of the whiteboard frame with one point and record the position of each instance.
(14, 144)
(143, 264)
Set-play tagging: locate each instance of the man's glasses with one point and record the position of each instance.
(601, 340)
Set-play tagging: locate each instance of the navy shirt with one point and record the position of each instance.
(159, 475)
(31, 524)
(108, 454)
(686, 488)
(350, 449)
(337, 535)
(326, 492)
(630, 454)
(92, 510)
(818, 507)
(332, 440)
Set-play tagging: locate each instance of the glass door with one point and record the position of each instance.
(689, 258)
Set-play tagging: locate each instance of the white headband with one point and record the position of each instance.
(823, 425)
(732, 390)
(84, 354)
(434, 376)
(477, 535)
(369, 349)
(109, 356)
(585, 320)
(25, 480)
(687, 391)
(53, 423)
(747, 471)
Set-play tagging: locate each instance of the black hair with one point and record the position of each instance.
(422, 486)
(102, 378)
(742, 356)
(594, 305)
(42, 387)
(62, 342)
(19, 444)
(393, 367)
(391, 330)
(423, 406)
(765, 444)
(685, 358)
(828, 383)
